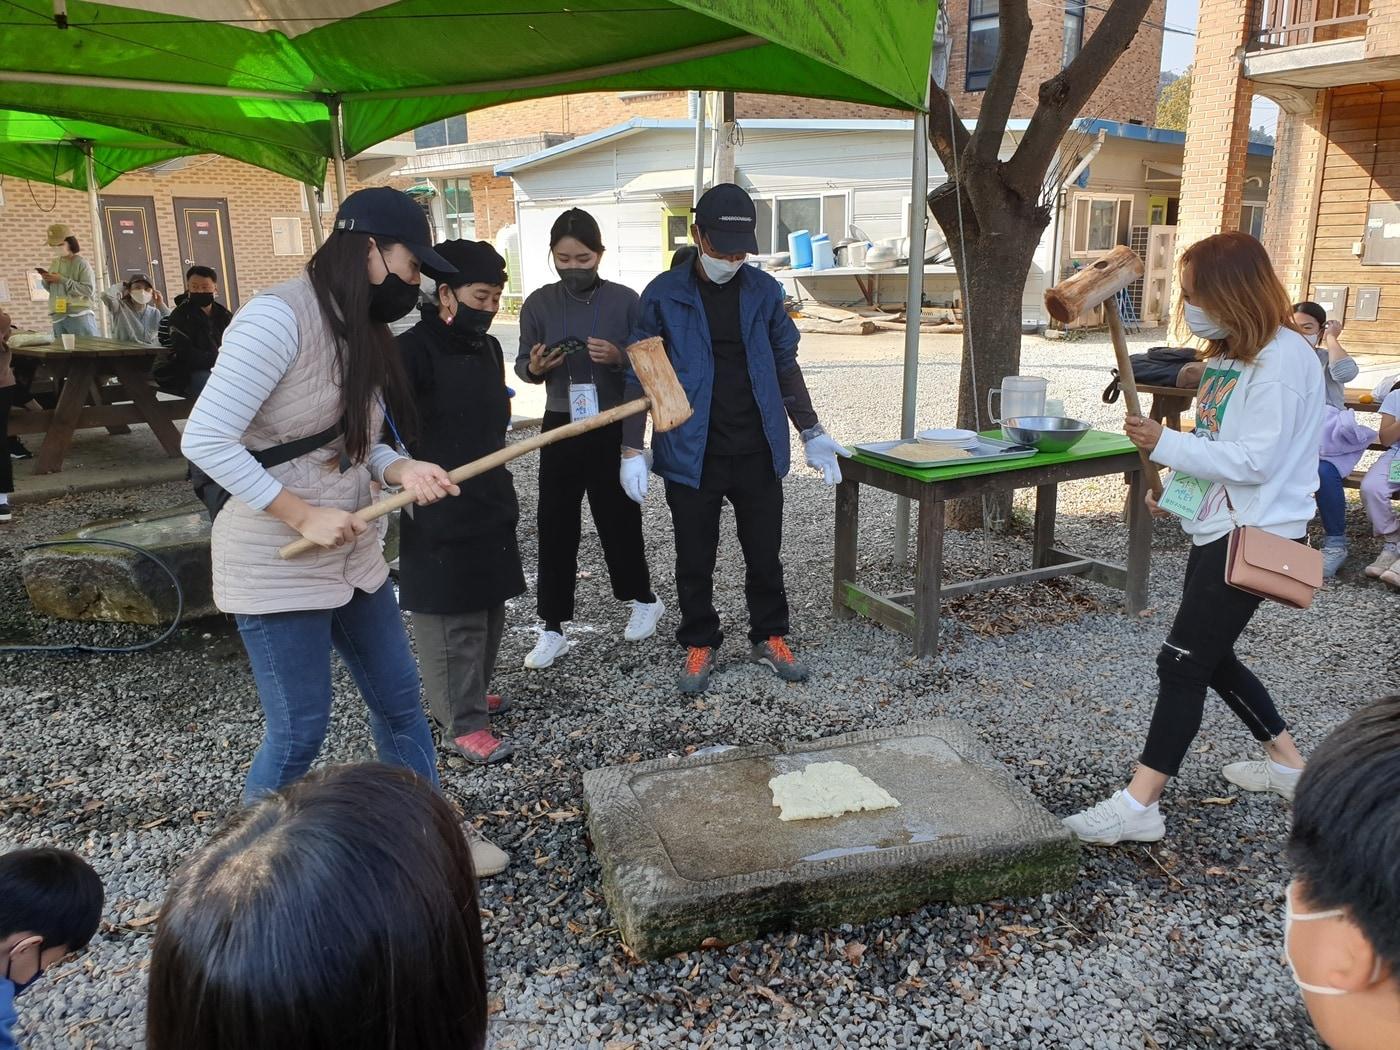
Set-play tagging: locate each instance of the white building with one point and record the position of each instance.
(828, 175)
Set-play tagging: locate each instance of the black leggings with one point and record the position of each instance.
(1200, 652)
(7, 468)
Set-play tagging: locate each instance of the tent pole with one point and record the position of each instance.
(913, 315)
(699, 147)
(99, 252)
(122, 84)
(337, 151)
(313, 209)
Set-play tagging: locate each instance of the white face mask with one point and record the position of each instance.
(1290, 916)
(1203, 324)
(721, 271)
(1313, 340)
(141, 296)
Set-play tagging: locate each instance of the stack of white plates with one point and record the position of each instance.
(948, 439)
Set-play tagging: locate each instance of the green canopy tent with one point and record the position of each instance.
(78, 155)
(284, 83)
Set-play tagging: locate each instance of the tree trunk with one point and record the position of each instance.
(998, 260)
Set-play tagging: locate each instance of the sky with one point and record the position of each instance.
(1178, 49)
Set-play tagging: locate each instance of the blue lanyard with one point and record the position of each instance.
(398, 441)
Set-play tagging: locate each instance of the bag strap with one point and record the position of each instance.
(290, 450)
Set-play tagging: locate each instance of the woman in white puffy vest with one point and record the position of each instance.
(314, 357)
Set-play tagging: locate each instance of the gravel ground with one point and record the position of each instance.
(136, 760)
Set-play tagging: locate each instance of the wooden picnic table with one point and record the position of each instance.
(916, 613)
(85, 401)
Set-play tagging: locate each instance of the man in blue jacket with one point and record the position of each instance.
(734, 349)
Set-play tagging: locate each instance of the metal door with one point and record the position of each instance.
(133, 242)
(205, 240)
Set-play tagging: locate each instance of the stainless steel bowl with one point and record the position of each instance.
(1046, 433)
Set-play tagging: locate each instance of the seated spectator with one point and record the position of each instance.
(137, 310)
(1341, 934)
(1378, 489)
(194, 332)
(1338, 369)
(50, 903)
(340, 912)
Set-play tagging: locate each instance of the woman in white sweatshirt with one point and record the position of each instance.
(1254, 451)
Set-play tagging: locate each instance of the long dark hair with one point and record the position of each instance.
(579, 225)
(366, 357)
(339, 912)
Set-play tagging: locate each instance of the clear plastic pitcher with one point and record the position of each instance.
(1020, 396)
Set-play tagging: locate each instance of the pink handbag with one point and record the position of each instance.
(1270, 566)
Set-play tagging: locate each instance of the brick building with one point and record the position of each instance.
(253, 226)
(459, 155)
(1333, 221)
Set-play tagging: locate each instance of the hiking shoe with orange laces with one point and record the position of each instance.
(777, 657)
(699, 665)
(483, 748)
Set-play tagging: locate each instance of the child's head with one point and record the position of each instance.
(340, 912)
(50, 904)
(1342, 931)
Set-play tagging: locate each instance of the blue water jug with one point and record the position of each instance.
(800, 249)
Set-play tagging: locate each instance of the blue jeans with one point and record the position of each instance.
(290, 654)
(1331, 500)
(83, 324)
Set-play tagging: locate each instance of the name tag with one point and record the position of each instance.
(1185, 496)
(60, 305)
(1395, 470)
(583, 401)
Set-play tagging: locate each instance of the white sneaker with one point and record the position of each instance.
(645, 617)
(1262, 776)
(487, 858)
(1384, 560)
(549, 648)
(1113, 820)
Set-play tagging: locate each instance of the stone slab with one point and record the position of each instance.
(692, 848)
(86, 581)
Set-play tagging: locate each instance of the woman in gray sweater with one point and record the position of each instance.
(571, 335)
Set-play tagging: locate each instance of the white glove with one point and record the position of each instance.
(823, 453)
(633, 475)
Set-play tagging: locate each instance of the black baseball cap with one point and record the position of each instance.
(387, 212)
(726, 215)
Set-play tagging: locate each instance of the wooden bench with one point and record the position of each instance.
(1169, 402)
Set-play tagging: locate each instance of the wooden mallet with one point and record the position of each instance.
(1101, 283)
(665, 399)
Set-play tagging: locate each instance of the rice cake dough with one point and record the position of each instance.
(827, 789)
(920, 453)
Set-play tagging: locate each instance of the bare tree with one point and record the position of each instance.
(1005, 205)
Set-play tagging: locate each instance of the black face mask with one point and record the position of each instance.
(391, 298)
(201, 299)
(579, 280)
(470, 321)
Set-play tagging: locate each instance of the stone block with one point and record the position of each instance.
(692, 849)
(86, 581)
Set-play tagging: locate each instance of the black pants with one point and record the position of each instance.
(7, 467)
(587, 464)
(756, 494)
(1200, 652)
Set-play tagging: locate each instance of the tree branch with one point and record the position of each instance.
(946, 131)
(1064, 94)
(1014, 40)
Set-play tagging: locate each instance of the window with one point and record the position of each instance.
(1381, 246)
(1100, 223)
(1252, 218)
(798, 213)
(457, 209)
(764, 211)
(983, 37)
(286, 237)
(1074, 31)
(449, 132)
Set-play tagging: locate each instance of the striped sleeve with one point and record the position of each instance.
(259, 347)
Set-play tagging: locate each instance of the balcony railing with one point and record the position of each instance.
(1288, 23)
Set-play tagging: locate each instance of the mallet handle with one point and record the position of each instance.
(491, 462)
(1129, 387)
